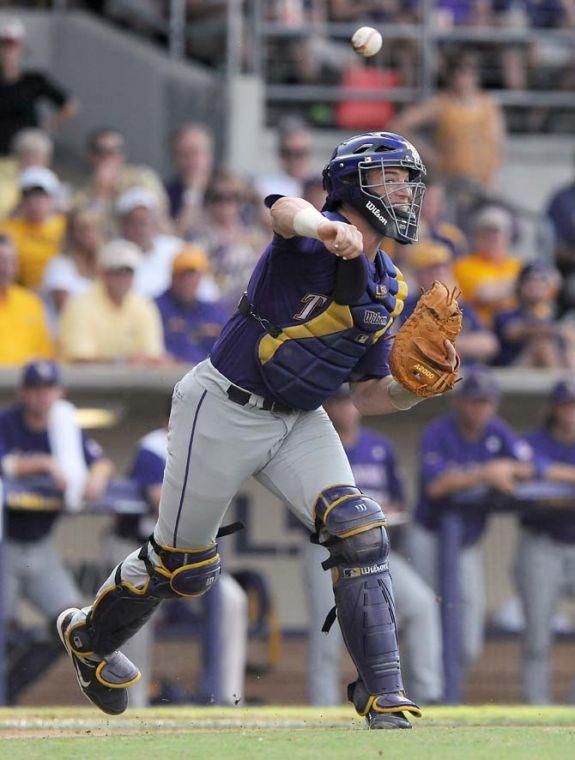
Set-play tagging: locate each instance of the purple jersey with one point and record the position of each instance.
(294, 277)
(190, 331)
(147, 470)
(17, 438)
(374, 465)
(444, 448)
(545, 447)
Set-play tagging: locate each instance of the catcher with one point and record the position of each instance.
(318, 305)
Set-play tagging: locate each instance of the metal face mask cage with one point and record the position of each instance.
(405, 215)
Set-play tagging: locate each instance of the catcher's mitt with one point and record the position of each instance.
(418, 357)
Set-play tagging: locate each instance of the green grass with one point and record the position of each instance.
(269, 733)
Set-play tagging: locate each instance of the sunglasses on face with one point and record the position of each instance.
(294, 152)
(120, 271)
(225, 198)
(107, 150)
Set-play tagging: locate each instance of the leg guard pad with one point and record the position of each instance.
(362, 588)
(122, 608)
(343, 511)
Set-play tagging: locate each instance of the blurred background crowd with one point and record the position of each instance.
(109, 260)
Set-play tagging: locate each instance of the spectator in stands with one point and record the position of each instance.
(561, 214)
(374, 464)
(193, 155)
(430, 261)
(468, 448)
(233, 245)
(191, 326)
(74, 270)
(30, 147)
(23, 328)
(21, 92)
(139, 221)
(468, 127)
(365, 11)
(530, 334)
(40, 438)
(38, 229)
(546, 556)
(433, 223)
(487, 276)
(112, 176)
(295, 146)
(110, 322)
(130, 532)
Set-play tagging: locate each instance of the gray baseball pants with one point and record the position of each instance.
(423, 553)
(34, 571)
(544, 571)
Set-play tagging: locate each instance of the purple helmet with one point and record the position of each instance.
(351, 177)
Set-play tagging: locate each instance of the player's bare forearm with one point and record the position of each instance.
(294, 216)
(373, 396)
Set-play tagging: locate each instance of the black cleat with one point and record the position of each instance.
(377, 720)
(103, 681)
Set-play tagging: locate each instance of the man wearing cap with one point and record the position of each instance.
(487, 275)
(545, 566)
(38, 229)
(468, 448)
(431, 261)
(22, 91)
(28, 444)
(374, 464)
(23, 324)
(191, 325)
(531, 335)
(111, 322)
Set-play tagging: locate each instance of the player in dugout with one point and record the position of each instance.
(319, 303)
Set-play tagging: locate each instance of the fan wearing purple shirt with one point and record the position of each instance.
(374, 464)
(191, 326)
(470, 447)
(317, 309)
(545, 568)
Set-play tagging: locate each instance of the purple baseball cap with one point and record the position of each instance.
(40, 373)
(479, 385)
(563, 392)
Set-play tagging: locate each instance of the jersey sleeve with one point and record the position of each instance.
(394, 480)
(147, 469)
(48, 89)
(93, 452)
(374, 363)
(434, 459)
(516, 447)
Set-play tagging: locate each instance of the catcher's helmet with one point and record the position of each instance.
(350, 178)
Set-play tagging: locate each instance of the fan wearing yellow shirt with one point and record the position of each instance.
(110, 322)
(487, 277)
(23, 329)
(38, 230)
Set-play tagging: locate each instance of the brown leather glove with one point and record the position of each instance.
(419, 360)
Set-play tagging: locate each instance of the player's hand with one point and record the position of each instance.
(57, 475)
(341, 239)
(95, 487)
(500, 474)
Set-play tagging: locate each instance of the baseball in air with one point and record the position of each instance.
(367, 41)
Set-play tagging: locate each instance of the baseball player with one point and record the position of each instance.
(318, 305)
(545, 568)
(374, 464)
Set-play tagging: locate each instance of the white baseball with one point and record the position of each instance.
(367, 41)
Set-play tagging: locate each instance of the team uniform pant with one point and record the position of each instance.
(33, 570)
(418, 619)
(544, 571)
(423, 553)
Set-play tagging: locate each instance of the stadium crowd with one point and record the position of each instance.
(128, 268)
